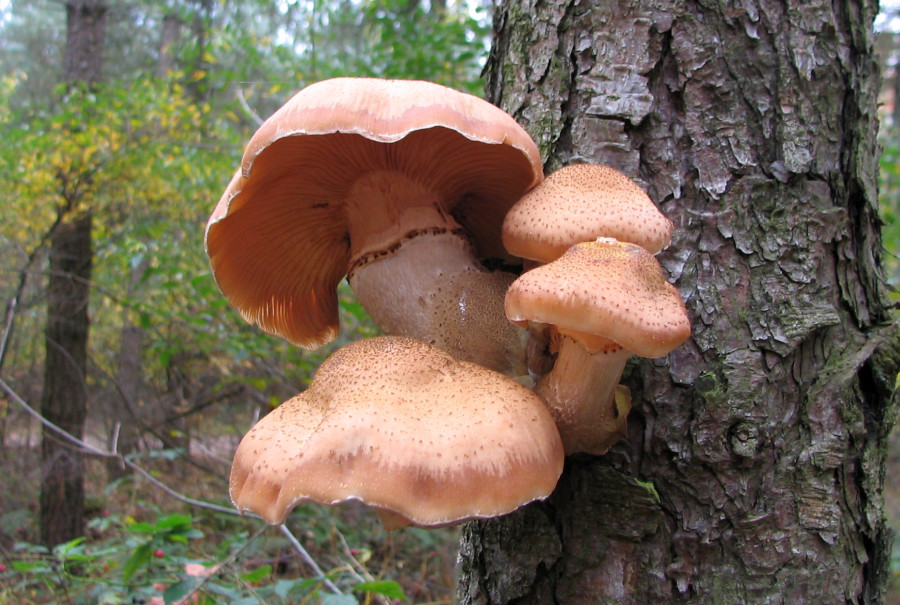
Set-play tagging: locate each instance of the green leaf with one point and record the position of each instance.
(138, 558)
(26, 567)
(283, 587)
(142, 527)
(228, 592)
(388, 588)
(257, 575)
(174, 520)
(181, 589)
(65, 548)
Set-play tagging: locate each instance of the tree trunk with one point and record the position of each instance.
(169, 38)
(753, 468)
(126, 406)
(64, 396)
(197, 86)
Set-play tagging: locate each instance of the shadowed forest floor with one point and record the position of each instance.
(421, 561)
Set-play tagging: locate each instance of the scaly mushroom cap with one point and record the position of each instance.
(283, 233)
(579, 203)
(608, 289)
(404, 427)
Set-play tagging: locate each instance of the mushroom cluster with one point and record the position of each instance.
(407, 189)
(597, 294)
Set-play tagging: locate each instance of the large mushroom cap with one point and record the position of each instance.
(407, 429)
(608, 288)
(279, 239)
(579, 203)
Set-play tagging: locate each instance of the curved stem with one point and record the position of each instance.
(581, 394)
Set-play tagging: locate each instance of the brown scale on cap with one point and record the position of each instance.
(409, 430)
(607, 300)
(344, 178)
(579, 203)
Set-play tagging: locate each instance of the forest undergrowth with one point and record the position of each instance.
(146, 545)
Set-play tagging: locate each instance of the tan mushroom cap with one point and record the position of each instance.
(615, 290)
(283, 233)
(579, 203)
(406, 428)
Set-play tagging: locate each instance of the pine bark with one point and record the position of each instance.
(64, 395)
(754, 463)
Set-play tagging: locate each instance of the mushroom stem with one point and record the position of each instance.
(415, 272)
(432, 288)
(580, 392)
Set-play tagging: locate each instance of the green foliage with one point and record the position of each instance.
(165, 558)
(889, 201)
(402, 39)
(388, 588)
(148, 152)
(149, 156)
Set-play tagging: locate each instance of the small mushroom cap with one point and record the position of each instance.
(404, 427)
(579, 203)
(608, 289)
(279, 239)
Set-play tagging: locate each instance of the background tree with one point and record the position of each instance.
(64, 398)
(754, 464)
(157, 139)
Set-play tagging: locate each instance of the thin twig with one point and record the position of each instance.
(35, 414)
(354, 562)
(309, 560)
(246, 107)
(304, 554)
(226, 561)
(12, 305)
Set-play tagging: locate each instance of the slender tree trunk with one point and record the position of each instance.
(169, 38)
(64, 397)
(197, 87)
(753, 468)
(126, 406)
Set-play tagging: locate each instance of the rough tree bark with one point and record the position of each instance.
(753, 468)
(64, 396)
